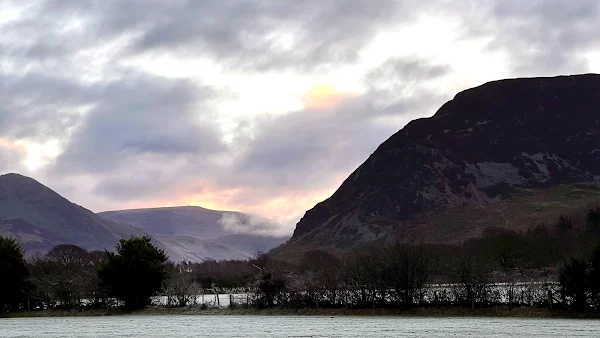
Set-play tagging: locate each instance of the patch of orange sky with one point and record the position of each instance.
(285, 208)
(324, 96)
(12, 146)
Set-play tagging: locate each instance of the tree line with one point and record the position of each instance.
(551, 265)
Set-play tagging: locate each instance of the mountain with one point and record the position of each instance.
(510, 154)
(39, 218)
(203, 232)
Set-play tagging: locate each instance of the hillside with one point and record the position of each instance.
(507, 154)
(204, 232)
(40, 218)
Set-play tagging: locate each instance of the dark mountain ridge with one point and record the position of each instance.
(534, 133)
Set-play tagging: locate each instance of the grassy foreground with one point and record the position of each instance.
(520, 312)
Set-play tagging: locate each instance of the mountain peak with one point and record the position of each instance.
(40, 218)
(16, 177)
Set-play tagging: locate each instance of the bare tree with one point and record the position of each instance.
(323, 272)
(271, 279)
(409, 268)
(473, 276)
(181, 288)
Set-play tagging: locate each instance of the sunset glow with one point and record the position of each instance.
(323, 97)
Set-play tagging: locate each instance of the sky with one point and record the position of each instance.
(262, 106)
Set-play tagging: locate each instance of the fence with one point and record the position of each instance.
(521, 293)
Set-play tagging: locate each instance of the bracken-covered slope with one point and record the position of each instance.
(489, 144)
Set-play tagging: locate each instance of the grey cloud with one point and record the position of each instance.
(390, 79)
(304, 149)
(146, 136)
(539, 36)
(407, 69)
(8, 159)
(30, 105)
(135, 182)
(39, 34)
(143, 116)
(543, 37)
(238, 33)
(245, 33)
(298, 151)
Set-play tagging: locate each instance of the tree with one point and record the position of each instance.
(324, 272)
(68, 255)
(593, 219)
(68, 270)
(367, 270)
(180, 287)
(95, 289)
(13, 272)
(565, 224)
(573, 283)
(270, 281)
(135, 272)
(594, 277)
(408, 268)
(473, 275)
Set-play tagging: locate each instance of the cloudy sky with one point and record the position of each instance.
(261, 106)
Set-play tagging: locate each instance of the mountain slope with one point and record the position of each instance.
(480, 150)
(203, 232)
(40, 218)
